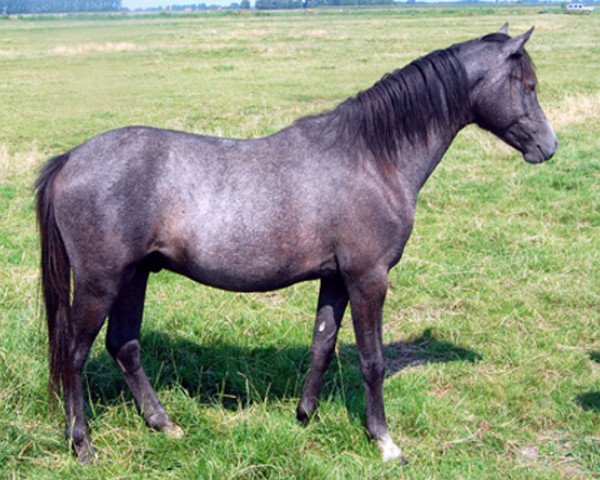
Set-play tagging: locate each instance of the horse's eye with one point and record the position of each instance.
(529, 86)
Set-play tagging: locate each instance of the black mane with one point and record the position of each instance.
(405, 103)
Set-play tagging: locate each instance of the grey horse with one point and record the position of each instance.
(331, 197)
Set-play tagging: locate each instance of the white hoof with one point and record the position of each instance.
(173, 431)
(389, 450)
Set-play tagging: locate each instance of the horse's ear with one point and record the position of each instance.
(504, 29)
(515, 44)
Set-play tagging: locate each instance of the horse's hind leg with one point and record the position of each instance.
(91, 303)
(123, 343)
(333, 299)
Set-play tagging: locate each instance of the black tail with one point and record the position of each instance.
(56, 275)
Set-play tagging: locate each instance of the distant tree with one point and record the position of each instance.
(245, 4)
(275, 4)
(278, 4)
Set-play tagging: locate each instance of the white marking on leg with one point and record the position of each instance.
(322, 326)
(121, 366)
(388, 448)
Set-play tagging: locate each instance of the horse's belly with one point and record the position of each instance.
(252, 274)
(252, 266)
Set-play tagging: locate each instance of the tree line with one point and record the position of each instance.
(11, 7)
(285, 4)
(272, 4)
(194, 7)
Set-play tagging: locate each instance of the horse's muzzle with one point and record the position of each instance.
(541, 153)
(544, 147)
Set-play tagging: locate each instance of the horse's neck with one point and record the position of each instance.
(416, 162)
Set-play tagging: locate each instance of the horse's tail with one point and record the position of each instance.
(56, 276)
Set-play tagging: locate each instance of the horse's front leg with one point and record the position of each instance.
(367, 295)
(333, 299)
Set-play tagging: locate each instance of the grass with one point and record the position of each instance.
(492, 321)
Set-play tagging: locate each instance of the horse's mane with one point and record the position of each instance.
(404, 104)
(430, 92)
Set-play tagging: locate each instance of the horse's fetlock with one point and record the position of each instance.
(157, 420)
(377, 430)
(76, 435)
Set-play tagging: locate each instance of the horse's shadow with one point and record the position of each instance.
(235, 377)
(590, 401)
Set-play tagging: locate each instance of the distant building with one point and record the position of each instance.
(578, 8)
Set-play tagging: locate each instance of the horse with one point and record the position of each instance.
(331, 197)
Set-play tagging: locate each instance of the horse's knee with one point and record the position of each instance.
(373, 370)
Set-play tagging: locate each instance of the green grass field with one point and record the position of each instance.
(492, 323)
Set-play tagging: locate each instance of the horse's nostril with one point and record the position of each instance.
(552, 151)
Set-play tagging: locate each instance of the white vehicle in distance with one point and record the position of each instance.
(579, 8)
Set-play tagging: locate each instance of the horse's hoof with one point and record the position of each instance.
(172, 430)
(86, 454)
(302, 417)
(304, 413)
(389, 450)
(161, 422)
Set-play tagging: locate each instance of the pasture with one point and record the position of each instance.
(492, 322)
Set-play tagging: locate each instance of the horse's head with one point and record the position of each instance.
(503, 94)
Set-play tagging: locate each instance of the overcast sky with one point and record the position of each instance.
(157, 3)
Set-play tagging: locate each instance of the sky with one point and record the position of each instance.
(133, 4)
(157, 3)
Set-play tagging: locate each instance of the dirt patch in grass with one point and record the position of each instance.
(12, 164)
(575, 109)
(86, 48)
